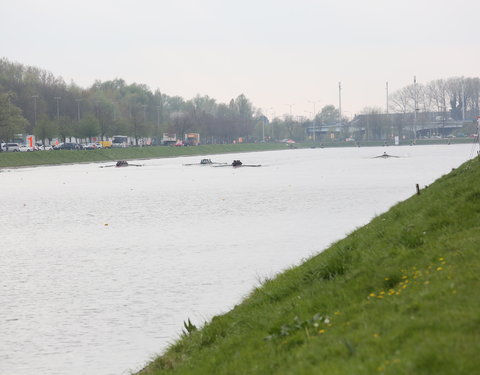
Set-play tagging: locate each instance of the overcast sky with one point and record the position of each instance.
(278, 53)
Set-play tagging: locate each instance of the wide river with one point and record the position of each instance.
(99, 267)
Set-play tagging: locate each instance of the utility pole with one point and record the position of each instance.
(57, 98)
(158, 123)
(340, 101)
(386, 89)
(290, 105)
(263, 128)
(144, 113)
(314, 120)
(415, 109)
(35, 110)
(388, 117)
(78, 108)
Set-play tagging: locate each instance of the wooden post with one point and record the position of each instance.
(418, 189)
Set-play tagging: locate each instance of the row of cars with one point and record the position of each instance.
(17, 147)
(78, 146)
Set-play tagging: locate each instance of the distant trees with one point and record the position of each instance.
(115, 107)
(457, 98)
(328, 115)
(34, 101)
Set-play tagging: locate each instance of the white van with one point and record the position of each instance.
(11, 147)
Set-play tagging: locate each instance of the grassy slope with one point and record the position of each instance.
(398, 296)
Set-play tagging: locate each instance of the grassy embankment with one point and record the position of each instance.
(18, 159)
(400, 295)
(21, 159)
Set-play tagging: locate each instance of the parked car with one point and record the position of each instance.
(90, 146)
(45, 148)
(25, 148)
(10, 147)
(67, 146)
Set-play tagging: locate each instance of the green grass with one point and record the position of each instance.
(400, 295)
(19, 159)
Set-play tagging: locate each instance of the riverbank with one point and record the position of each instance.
(399, 295)
(23, 159)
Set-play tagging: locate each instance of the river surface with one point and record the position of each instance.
(99, 267)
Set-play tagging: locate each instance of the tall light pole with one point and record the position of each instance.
(290, 105)
(35, 110)
(340, 101)
(78, 108)
(273, 134)
(265, 119)
(415, 109)
(388, 117)
(144, 113)
(57, 98)
(159, 108)
(314, 121)
(386, 93)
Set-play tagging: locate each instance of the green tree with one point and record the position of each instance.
(65, 128)
(11, 118)
(88, 127)
(328, 115)
(46, 129)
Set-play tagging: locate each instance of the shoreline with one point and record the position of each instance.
(64, 157)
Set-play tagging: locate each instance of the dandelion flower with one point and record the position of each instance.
(439, 268)
(321, 331)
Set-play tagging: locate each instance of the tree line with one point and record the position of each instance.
(435, 104)
(34, 101)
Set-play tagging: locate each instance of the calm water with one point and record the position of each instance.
(99, 267)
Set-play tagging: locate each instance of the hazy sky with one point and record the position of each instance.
(278, 53)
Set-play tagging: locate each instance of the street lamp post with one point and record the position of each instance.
(78, 108)
(314, 122)
(144, 106)
(159, 108)
(57, 98)
(35, 110)
(340, 101)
